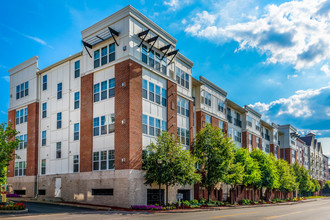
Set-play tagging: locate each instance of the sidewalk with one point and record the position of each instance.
(109, 208)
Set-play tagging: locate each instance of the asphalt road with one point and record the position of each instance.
(317, 210)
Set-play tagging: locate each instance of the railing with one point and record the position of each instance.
(238, 122)
(267, 137)
(230, 118)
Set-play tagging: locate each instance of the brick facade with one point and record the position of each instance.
(32, 139)
(128, 115)
(287, 152)
(200, 120)
(11, 120)
(171, 108)
(225, 128)
(214, 122)
(254, 142)
(245, 139)
(86, 123)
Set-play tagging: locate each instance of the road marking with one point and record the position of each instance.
(291, 213)
(36, 216)
(222, 216)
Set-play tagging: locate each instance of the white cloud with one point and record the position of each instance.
(4, 112)
(176, 4)
(6, 78)
(295, 32)
(292, 76)
(297, 105)
(325, 69)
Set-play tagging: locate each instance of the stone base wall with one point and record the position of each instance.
(128, 187)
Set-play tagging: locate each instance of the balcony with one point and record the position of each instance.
(230, 118)
(279, 143)
(250, 123)
(257, 128)
(238, 122)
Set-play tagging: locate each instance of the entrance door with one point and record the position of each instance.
(58, 186)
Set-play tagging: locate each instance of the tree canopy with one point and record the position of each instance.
(287, 177)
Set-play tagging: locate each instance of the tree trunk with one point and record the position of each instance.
(160, 195)
(166, 195)
(208, 193)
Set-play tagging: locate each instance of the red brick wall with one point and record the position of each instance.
(32, 139)
(272, 149)
(245, 139)
(11, 120)
(191, 123)
(260, 139)
(86, 123)
(225, 127)
(128, 109)
(288, 155)
(254, 142)
(282, 153)
(200, 120)
(171, 108)
(215, 122)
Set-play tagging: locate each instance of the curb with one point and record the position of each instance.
(13, 211)
(68, 204)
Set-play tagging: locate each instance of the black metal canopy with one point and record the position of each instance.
(102, 36)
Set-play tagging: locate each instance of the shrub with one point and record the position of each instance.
(194, 202)
(13, 206)
(146, 207)
(202, 201)
(185, 203)
(245, 202)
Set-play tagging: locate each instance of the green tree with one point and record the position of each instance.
(287, 177)
(269, 175)
(169, 164)
(326, 188)
(235, 177)
(317, 185)
(8, 143)
(252, 172)
(303, 179)
(215, 155)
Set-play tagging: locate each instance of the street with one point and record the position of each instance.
(309, 210)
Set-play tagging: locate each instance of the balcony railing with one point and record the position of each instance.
(267, 137)
(230, 118)
(238, 122)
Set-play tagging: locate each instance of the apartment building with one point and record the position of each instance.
(288, 148)
(325, 168)
(85, 120)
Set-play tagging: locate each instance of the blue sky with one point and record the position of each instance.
(272, 55)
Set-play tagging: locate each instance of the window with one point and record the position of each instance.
(151, 126)
(182, 78)
(96, 126)
(103, 125)
(164, 97)
(96, 160)
(267, 150)
(41, 192)
(43, 167)
(144, 124)
(144, 54)
(208, 119)
(111, 87)
(144, 88)
(77, 69)
(59, 90)
(76, 132)
(220, 105)
(178, 75)
(151, 91)
(25, 140)
(206, 98)
(104, 87)
(182, 106)
(258, 125)
(221, 124)
(103, 160)
(96, 58)
(111, 123)
(184, 136)
(151, 58)
(164, 65)
(21, 116)
(102, 192)
(21, 143)
(164, 125)
(249, 121)
(44, 138)
(59, 120)
(75, 163)
(76, 100)
(44, 82)
(157, 94)
(157, 62)
(158, 127)
(112, 52)
(187, 81)
(44, 110)
(97, 92)
(111, 160)
(25, 114)
(238, 136)
(20, 168)
(58, 150)
(104, 55)
(22, 90)
(250, 139)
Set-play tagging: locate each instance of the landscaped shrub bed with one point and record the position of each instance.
(13, 195)
(13, 206)
(146, 207)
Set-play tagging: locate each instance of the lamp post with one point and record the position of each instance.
(159, 162)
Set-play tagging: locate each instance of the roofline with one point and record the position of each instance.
(301, 140)
(236, 106)
(185, 59)
(290, 126)
(196, 82)
(59, 63)
(212, 85)
(252, 111)
(267, 125)
(27, 63)
(129, 10)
